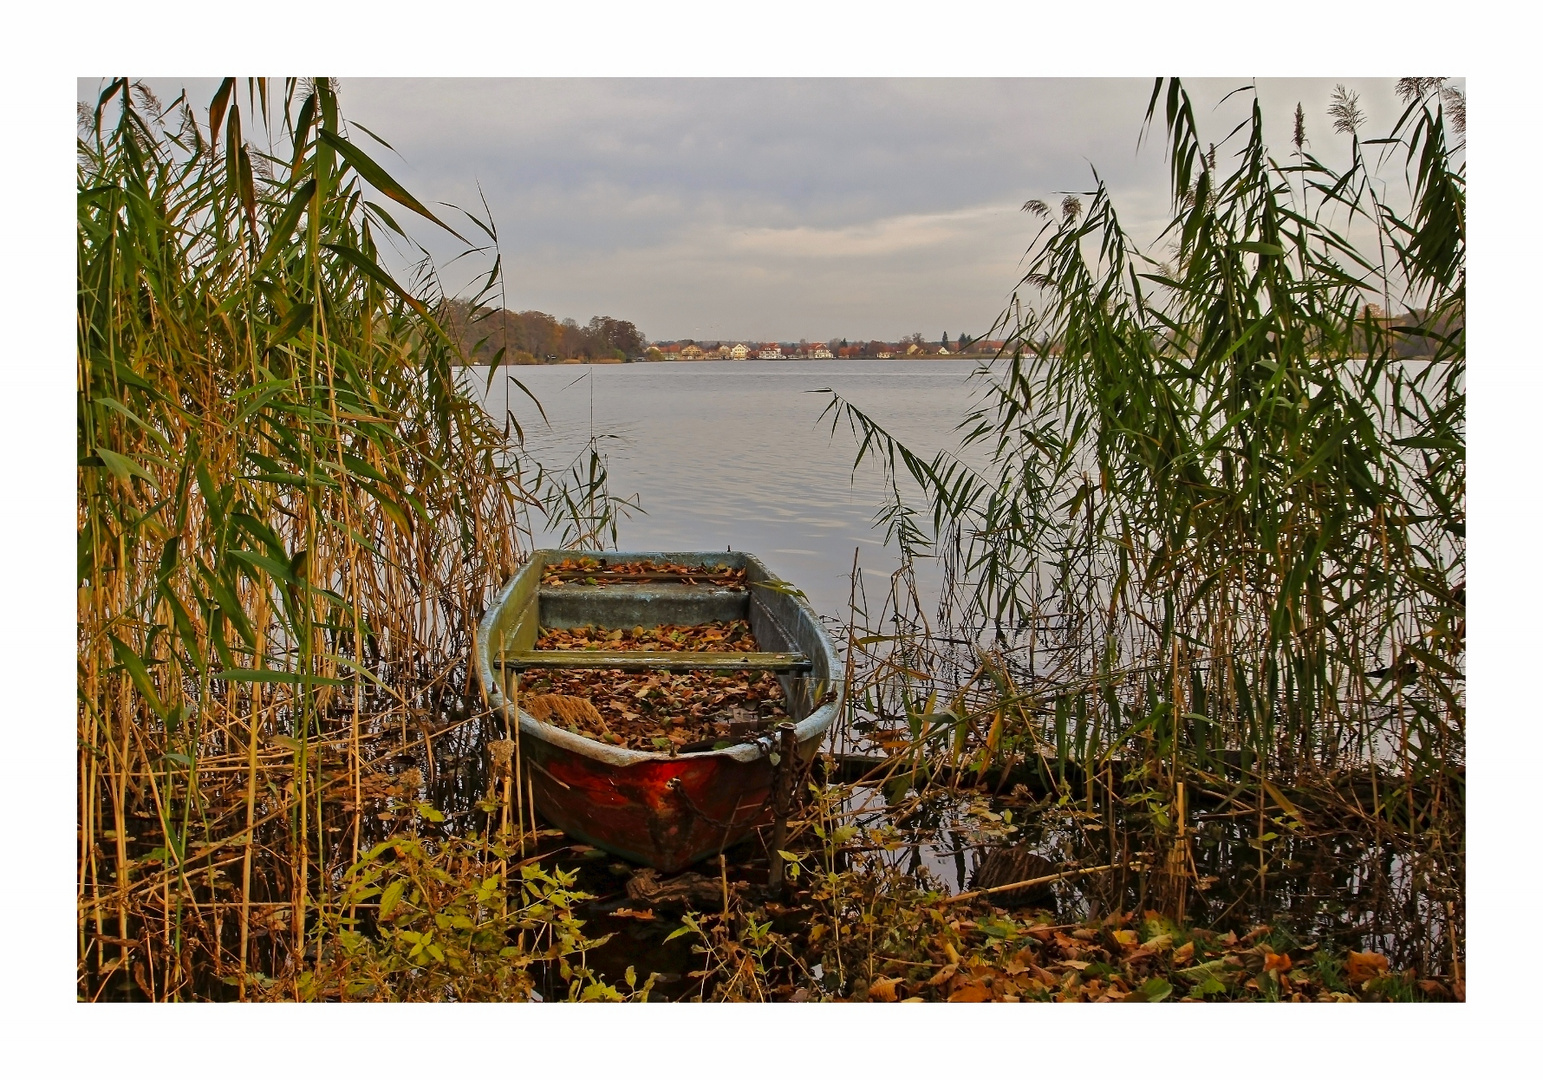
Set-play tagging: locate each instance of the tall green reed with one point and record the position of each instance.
(1223, 520)
(290, 506)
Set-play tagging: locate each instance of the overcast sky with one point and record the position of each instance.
(784, 208)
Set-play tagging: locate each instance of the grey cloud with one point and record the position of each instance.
(787, 207)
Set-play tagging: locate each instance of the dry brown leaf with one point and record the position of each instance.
(1363, 966)
(1022, 961)
(631, 913)
(971, 992)
(943, 975)
(884, 989)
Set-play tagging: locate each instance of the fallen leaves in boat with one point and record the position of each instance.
(733, 636)
(589, 571)
(667, 712)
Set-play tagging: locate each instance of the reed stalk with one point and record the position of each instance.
(1221, 534)
(292, 505)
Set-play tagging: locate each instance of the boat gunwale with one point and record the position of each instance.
(809, 728)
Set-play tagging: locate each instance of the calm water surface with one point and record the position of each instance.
(732, 454)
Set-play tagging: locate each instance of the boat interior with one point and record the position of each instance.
(787, 640)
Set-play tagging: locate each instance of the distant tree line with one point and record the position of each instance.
(533, 337)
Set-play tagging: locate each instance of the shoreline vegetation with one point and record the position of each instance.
(491, 336)
(1187, 723)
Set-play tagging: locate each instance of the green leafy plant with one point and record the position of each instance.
(453, 921)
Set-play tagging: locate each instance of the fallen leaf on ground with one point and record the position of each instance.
(1361, 966)
(943, 975)
(971, 992)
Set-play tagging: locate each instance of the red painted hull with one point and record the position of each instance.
(664, 812)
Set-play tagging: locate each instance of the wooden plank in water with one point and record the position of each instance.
(642, 660)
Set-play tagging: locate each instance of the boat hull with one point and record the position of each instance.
(653, 808)
(666, 814)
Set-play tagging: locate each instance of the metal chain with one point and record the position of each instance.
(801, 772)
(680, 789)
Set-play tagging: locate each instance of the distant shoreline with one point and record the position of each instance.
(611, 360)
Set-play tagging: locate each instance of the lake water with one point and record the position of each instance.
(732, 454)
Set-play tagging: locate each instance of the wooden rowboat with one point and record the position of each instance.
(653, 808)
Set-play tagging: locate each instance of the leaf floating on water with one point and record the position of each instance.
(634, 913)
